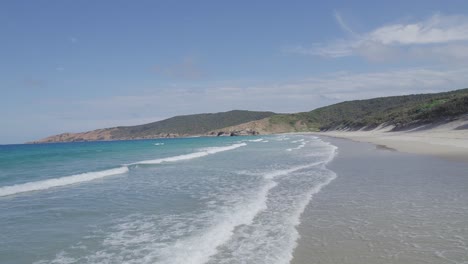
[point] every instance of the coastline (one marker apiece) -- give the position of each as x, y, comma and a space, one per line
443, 141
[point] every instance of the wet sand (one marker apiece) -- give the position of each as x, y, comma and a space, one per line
387, 207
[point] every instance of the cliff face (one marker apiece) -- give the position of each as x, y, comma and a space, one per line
99, 134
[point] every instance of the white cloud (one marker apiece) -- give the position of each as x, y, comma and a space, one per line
436, 29
437, 37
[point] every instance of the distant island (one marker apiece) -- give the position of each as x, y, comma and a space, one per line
396, 112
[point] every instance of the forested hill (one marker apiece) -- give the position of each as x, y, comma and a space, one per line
186, 125
192, 124
399, 111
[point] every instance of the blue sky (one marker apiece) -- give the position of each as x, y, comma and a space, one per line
70, 66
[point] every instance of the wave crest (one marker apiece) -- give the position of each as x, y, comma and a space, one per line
201, 153
57, 182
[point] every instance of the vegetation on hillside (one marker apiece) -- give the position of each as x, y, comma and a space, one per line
399, 111
190, 124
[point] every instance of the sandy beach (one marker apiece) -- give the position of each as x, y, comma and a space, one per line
387, 207
448, 140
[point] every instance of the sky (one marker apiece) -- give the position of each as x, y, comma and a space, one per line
71, 66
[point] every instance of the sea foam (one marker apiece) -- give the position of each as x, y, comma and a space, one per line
57, 182
303, 144
196, 250
194, 155
277, 173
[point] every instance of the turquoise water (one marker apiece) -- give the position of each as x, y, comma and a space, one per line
192, 200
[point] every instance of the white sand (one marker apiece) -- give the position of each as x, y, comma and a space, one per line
442, 140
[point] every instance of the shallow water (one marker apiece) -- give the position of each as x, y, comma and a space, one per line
198, 200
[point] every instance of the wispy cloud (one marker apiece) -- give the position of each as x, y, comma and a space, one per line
437, 37
342, 23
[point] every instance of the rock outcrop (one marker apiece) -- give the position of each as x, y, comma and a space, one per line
232, 133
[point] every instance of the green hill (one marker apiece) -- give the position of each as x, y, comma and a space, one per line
191, 124
400, 111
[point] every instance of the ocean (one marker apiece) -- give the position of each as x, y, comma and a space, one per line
185, 200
